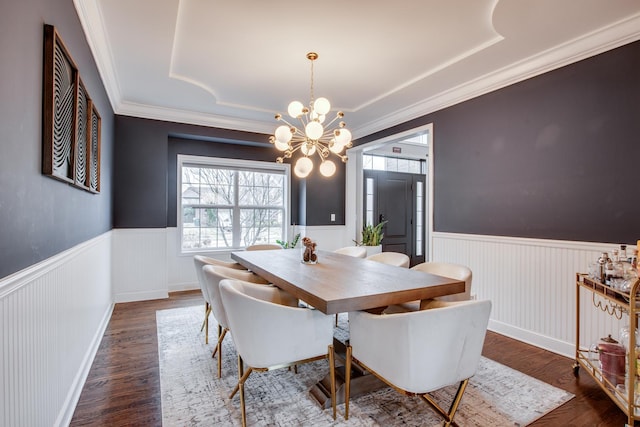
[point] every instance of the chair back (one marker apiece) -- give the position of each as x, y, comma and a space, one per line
391, 258
455, 271
354, 251
266, 333
200, 261
213, 274
431, 348
263, 247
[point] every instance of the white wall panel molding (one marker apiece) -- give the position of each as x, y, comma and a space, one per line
181, 273
328, 237
54, 314
139, 266
532, 285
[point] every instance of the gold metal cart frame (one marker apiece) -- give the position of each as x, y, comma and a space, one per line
615, 303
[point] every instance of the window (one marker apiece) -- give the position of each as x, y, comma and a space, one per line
226, 204
419, 216
393, 164
369, 190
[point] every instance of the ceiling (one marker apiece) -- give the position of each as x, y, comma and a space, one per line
235, 64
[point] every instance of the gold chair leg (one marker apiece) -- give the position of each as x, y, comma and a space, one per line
332, 374
206, 325
448, 416
205, 322
347, 382
218, 349
220, 332
243, 376
240, 386
206, 310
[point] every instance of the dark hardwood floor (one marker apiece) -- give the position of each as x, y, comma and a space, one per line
123, 386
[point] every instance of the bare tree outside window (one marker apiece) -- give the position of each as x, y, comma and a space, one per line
224, 208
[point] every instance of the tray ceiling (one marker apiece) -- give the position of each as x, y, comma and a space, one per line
235, 64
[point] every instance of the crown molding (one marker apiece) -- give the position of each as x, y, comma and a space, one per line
189, 117
594, 43
91, 20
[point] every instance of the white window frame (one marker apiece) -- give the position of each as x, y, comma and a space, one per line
237, 164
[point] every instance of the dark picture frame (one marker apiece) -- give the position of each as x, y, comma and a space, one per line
70, 120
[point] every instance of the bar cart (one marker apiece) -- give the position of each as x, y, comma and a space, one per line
616, 303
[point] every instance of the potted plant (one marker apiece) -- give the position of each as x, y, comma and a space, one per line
372, 237
289, 245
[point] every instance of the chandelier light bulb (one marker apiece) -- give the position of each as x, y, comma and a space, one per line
321, 106
283, 134
314, 130
282, 146
308, 148
327, 168
343, 136
295, 109
335, 147
318, 117
303, 167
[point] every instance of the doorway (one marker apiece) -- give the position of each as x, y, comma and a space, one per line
386, 150
397, 199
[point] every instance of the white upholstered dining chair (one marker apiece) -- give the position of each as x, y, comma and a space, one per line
392, 258
200, 261
213, 275
432, 349
269, 336
447, 269
354, 251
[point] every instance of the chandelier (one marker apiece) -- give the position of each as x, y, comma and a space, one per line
314, 136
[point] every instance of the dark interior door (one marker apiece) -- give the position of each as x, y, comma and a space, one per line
394, 201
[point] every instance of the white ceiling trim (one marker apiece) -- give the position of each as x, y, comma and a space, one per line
440, 67
600, 41
182, 116
91, 20
596, 42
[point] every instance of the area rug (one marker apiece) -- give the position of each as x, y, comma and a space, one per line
192, 395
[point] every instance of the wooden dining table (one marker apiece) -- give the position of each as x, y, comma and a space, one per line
341, 283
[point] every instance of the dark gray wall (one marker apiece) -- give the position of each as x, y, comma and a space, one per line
39, 216
553, 157
145, 179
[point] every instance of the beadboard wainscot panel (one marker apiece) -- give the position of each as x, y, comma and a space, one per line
328, 237
139, 265
532, 285
54, 314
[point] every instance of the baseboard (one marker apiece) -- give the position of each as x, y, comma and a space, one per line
185, 286
141, 296
547, 343
69, 407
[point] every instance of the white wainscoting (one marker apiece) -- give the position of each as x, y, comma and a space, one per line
329, 237
532, 285
53, 315
530, 281
139, 266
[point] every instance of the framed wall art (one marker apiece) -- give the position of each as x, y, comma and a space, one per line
71, 123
